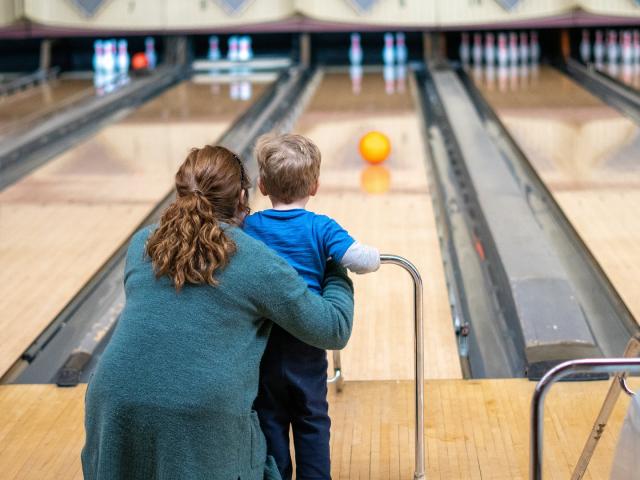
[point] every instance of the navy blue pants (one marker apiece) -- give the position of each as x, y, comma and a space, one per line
293, 394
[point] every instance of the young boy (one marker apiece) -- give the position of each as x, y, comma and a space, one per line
293, 375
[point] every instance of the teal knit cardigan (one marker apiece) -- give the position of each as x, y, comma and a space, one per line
171, 397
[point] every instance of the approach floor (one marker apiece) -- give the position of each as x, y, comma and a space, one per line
473, 430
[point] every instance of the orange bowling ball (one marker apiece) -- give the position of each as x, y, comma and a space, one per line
139, 61
375, 147
375, 179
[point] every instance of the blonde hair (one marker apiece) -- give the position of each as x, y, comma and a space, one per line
289, 165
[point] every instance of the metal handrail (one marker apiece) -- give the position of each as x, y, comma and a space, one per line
598, 365
617, 386
338, 376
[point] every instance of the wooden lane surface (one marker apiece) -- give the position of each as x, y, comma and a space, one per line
62, 222
39, 98
588, 155
473, 429
398, 221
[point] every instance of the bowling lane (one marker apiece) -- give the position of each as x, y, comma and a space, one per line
588, 155
29, 104
388, 206
628, 73
62, 222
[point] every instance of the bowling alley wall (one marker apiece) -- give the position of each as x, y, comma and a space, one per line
62, 17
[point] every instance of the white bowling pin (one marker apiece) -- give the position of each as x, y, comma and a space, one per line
585, 47
243, 48
108, 59
627, 47
477, 49
355, 74
97, 56
401, 49
535, 47
355, 50
463, 51
389, 79
598, 48
524, 48
123, 57
232, 51
150, 52
513, 48
489, 49
387, 51
612, 47
503, 51
214, 48
636, 46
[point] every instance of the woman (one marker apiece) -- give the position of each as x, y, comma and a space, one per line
172, 395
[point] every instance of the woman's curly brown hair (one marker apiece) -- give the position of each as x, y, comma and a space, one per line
189, 244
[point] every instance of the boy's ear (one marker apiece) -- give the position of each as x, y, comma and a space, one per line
263, 190
314, 190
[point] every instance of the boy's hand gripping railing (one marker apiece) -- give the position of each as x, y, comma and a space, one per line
418, 359
619, 366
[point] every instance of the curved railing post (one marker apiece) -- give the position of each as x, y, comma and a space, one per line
419, 472
598, 365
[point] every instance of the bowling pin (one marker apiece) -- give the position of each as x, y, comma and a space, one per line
524, 48
489, 49
214, 48
355, 74
389, 79
123, 57
598, 49
534, 48
503, 52
627, 48
513, 48
232, 51
355, 50
97, 56
108, 59
243, 48
387, 51
464, 49
401, 49
636, 46
585, 47
477, 49
250, 47
150, 52
612, 47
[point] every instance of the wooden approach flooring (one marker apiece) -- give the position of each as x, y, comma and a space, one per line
388, 206
473, 429
588, 155
61, 223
